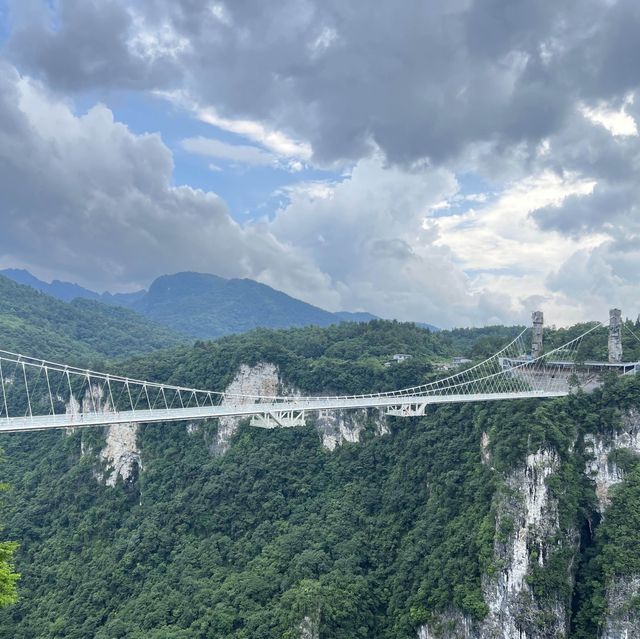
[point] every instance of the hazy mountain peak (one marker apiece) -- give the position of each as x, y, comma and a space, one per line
202, 304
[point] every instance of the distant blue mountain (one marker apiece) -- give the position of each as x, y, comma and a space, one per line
208, 306
431, 327
66, 291
202, 305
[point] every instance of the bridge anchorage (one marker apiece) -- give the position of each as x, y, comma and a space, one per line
36, 394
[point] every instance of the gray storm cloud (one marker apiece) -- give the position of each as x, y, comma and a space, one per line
84, 196
416, 79
408, 94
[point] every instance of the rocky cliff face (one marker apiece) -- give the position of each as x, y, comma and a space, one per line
526, 532
603, 470
310, 627
261, 379
622, 621
121, 454
450, 625
526, 522
335, 427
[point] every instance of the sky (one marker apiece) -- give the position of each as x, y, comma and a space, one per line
459, 163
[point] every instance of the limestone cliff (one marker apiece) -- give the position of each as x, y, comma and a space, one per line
527, 530
526, 523
449, 625
310, 627
120, 454
601, 468
622, 619
335, 427
261, 379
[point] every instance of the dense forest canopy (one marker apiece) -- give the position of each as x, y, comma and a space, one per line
377, 535
373, 538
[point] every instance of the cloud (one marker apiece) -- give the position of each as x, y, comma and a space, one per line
605, 274
617, 122
89, 44
600, 278
323, 81
534, 101
507, 254
319, 81
238, 153
338, 79
276, 141
501, 235
85, 198
367, 234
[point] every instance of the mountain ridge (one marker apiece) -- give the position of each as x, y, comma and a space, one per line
35, 323
68, 291
202, 305
208, 306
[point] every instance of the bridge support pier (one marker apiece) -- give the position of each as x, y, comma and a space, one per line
407, 410
285, 419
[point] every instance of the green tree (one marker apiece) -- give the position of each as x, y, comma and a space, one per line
8, 576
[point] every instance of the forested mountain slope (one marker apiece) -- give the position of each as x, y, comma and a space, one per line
202, 305
67, 291
399, 535
37, 324
208, 306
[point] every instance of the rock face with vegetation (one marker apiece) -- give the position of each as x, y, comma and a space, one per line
120, 455
262, 379
613, 466
623, 617
337, 427
477, 520
554, 571
603, 466
526, 517
526, 530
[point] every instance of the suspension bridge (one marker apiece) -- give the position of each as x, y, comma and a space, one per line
36, 394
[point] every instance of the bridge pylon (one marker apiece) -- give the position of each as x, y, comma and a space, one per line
615, 336
537, 334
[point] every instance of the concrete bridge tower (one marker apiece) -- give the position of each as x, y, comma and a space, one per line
537, 336
615, 336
